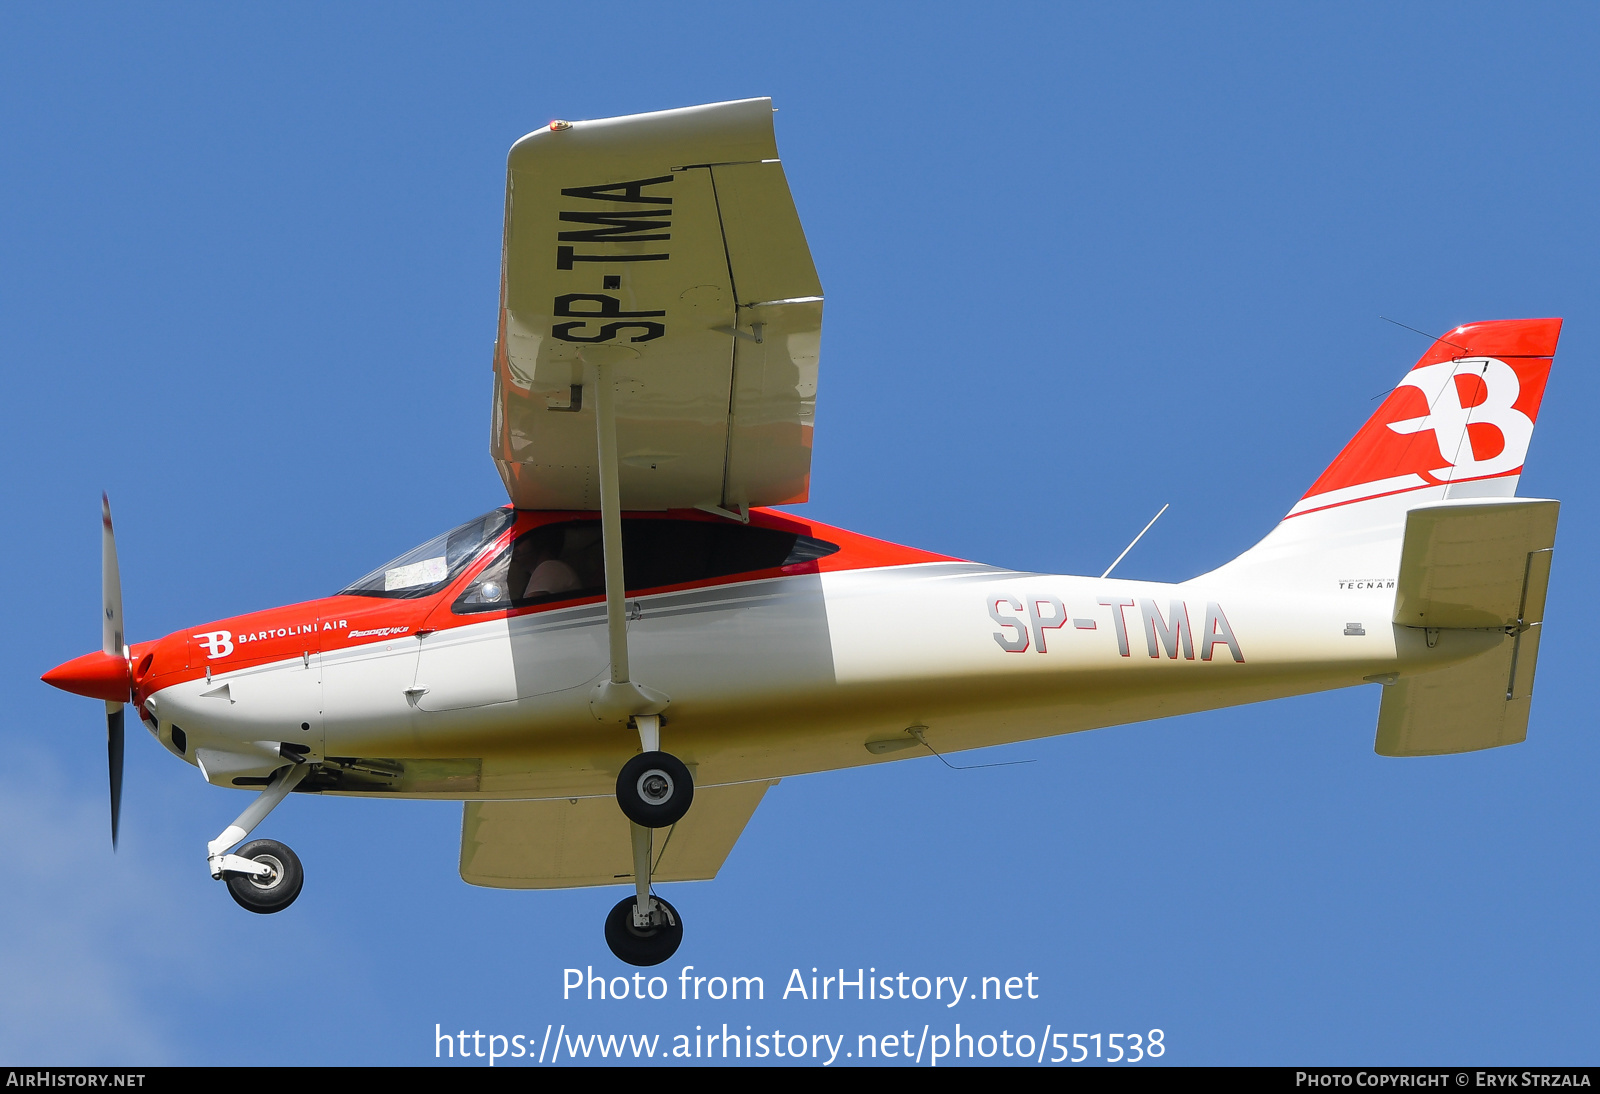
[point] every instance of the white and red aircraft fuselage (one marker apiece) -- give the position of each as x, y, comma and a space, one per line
663, 644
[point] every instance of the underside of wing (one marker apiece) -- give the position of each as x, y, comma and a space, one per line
569, 843
665, 247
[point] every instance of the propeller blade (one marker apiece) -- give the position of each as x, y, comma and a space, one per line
114, 718
111, 642
110, 586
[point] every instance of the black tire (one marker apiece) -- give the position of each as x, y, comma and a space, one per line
276, 892
655, 789
647, 947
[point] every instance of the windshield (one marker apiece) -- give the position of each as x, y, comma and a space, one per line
429, 568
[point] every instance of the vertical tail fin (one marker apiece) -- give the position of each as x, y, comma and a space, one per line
1457, 426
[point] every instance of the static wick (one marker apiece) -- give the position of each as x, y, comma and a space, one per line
1136, 539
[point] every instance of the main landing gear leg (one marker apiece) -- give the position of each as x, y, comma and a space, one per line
643, 930
654, 790
264, 876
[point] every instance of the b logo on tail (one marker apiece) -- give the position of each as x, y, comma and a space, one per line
1468, 402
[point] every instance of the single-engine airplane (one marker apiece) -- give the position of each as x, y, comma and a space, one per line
639, 628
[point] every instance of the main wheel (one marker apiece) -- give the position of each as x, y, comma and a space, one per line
277, 890
647, 946
654, 789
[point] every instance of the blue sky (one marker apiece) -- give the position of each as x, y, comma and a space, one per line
1080, 262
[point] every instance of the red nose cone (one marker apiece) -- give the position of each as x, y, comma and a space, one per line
97, 675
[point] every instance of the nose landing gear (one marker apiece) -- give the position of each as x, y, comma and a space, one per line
264, 875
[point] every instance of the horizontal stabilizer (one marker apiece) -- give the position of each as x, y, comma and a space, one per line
568, 843
1482, 565
1476, 564
1481, 703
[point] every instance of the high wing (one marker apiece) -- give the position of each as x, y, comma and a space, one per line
666, 247
567, 843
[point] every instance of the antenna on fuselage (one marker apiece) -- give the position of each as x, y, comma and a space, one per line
1136, 539
920, 733
1425, 334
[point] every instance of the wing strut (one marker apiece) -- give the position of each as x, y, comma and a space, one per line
617, 698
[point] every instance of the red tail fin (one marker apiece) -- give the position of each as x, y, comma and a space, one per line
1464, 414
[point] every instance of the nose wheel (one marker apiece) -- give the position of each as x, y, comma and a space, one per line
272, 891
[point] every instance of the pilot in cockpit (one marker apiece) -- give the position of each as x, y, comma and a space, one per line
550, 558
551, 575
